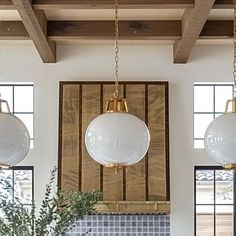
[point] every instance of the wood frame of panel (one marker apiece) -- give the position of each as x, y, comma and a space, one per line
142, 188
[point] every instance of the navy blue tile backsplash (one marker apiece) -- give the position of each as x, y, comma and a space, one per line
122, 225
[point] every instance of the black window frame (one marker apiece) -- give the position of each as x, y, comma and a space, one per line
13, 85
214, 168
17, 168
214, 113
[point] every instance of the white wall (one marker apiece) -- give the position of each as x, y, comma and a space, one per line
207, 63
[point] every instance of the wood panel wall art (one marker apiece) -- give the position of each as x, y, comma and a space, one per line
142, 188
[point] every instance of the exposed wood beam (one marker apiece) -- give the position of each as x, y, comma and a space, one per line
72, 30
107, 4
125, 4
105, 29
216, 29
223, 4
13, 30
36, 25
6, 5
192, 24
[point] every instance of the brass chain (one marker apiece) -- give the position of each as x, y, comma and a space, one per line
116, 93
234, 41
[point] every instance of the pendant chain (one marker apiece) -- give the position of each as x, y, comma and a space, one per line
116, 93
234, 42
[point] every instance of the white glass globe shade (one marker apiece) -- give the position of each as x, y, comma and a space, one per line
220, 139
117, 139
14, 140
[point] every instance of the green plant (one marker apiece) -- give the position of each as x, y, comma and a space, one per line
55, 215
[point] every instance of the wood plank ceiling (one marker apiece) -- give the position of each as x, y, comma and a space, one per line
47, 22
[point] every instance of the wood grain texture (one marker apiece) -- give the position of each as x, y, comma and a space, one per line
36, 24
157, 152
135, 175
216, 29
15, 30
108, 4
90, 109
223, 4
192, 24
6, 5
70, 138
138, 184
105, 29
112, 182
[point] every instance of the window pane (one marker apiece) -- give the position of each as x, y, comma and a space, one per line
23, 99
205, 220
198, 144
6, 189
224, 187
203, 99
28, 121
222, 94
201, 122
31, 144
224, 220
23, 186
204, 187
7, 94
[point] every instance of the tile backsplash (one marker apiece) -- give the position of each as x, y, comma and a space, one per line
122, 225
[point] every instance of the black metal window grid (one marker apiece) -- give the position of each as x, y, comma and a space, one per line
14, 93
210, 113
214, 201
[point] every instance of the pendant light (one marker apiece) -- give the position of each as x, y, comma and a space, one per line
220, 136
117, 138
14, 138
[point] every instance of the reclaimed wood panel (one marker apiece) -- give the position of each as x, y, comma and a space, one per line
157, 151
70, 138
145, 183
90, 109
112, 182
135, 175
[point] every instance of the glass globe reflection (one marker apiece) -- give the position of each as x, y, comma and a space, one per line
220, 139
117, 138
14, 140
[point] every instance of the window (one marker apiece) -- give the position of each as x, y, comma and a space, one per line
209, 103
214, 201
21, 180
20, 101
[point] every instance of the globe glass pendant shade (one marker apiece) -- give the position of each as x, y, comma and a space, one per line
220, 139
117, 139
14, 140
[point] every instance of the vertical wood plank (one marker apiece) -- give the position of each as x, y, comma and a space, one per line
135, 175
112, 182
79, 107
70, 138
157, 151
90, 109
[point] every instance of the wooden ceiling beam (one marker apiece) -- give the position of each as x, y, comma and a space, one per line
6, 5
36, 25
192, 25
71, 30
13, 30
223, 4
107, 4
105, 29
